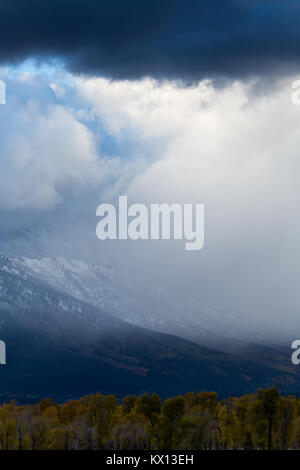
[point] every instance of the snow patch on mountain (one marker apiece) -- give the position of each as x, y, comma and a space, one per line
125, 296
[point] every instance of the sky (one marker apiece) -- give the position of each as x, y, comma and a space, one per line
174, 39
186, 102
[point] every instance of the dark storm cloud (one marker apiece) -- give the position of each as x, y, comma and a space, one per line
188, 39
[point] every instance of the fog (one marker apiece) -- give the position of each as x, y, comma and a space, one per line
69, 143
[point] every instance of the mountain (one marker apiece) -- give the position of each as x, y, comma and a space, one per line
109, 289
133, 300
60, 346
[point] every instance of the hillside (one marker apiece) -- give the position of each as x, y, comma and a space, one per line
62, 347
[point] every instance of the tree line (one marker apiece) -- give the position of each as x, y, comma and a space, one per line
196, 421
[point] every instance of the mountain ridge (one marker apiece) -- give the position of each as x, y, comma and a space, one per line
62, 347
128, 298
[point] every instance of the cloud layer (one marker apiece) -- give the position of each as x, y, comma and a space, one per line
47, 155
164, 39
234, 148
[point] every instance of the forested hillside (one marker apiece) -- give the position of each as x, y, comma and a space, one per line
265, 420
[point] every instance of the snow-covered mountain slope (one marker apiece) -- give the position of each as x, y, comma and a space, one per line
129, 298
37, 306
104, 287
61, 346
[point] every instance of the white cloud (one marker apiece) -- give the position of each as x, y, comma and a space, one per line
46, 153
234, 150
